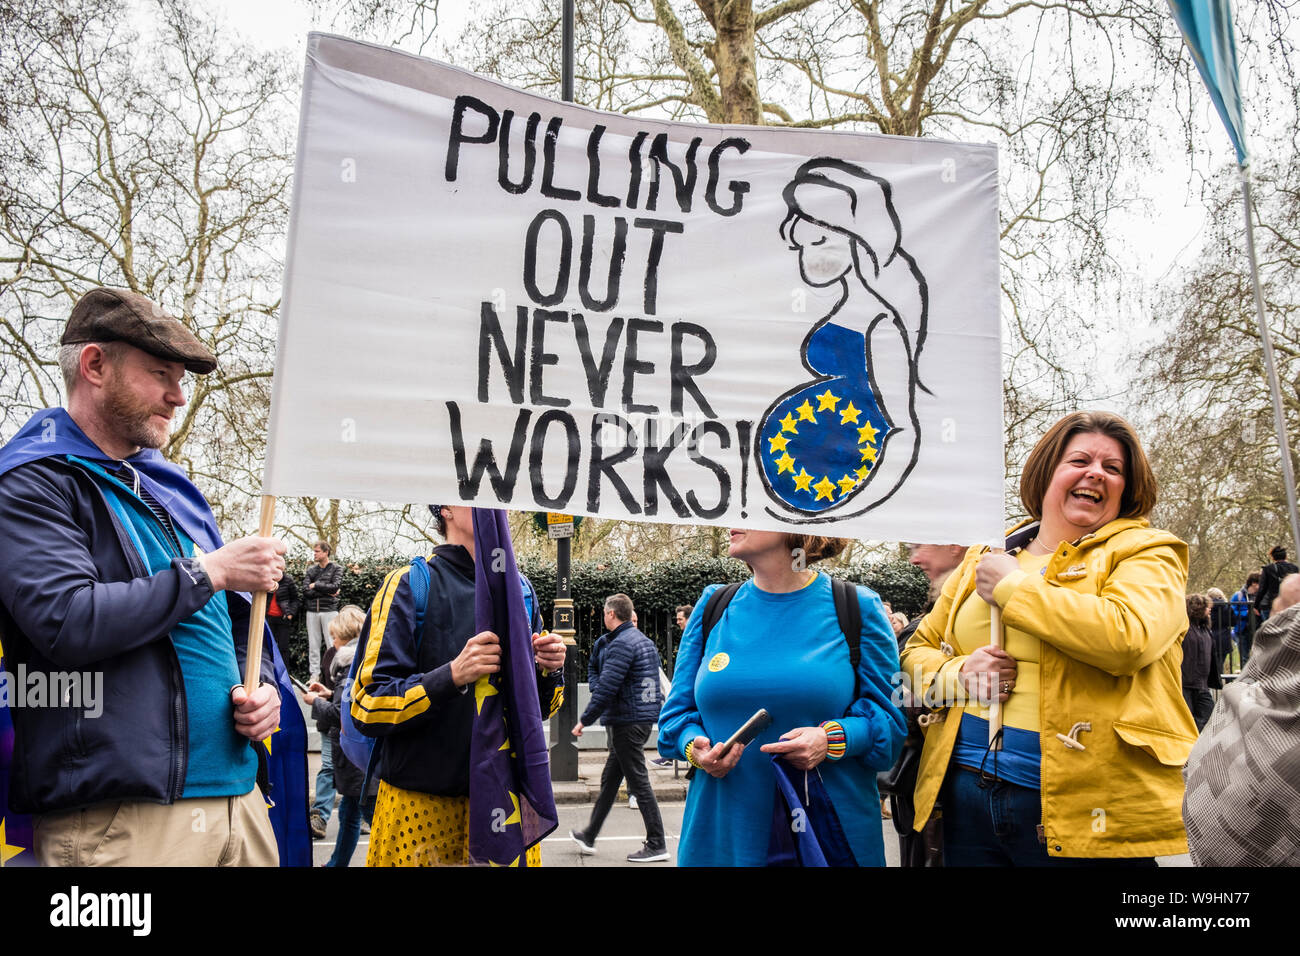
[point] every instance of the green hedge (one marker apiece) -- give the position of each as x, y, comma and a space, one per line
656, 590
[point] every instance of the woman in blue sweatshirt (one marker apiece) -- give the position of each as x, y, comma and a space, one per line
778, 645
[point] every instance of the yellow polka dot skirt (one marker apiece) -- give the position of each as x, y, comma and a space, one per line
419, 829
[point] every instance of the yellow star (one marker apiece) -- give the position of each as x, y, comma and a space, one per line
850, 414
777, 444
787, 424
866, 433
846, 483
862, 473
514, 817
806, 412
868, 454
7, 850
506, 745
826, 400
267, 741
483, 689
514, 862
802, 480
785, 463
825, 489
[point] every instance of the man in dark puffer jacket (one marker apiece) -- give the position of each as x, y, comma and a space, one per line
624, 676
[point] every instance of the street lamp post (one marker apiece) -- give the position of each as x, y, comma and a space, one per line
564, 750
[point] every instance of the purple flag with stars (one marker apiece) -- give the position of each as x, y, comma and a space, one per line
15, 828
511, 805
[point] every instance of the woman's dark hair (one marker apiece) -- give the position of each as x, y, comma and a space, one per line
1197, 606
1139, 495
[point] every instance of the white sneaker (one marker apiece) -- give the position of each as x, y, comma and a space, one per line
631, 803
585, 847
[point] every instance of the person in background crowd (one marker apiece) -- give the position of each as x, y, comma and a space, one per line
1200, 671
684, 612
280, 612
320, 599
937, 561
625, 696
1288, 593
113, 563
322, 807
1093, 715
1245, 617
322, 698
1220, 627
779, 646
1270, 578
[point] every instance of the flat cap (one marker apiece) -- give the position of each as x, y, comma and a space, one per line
119, 315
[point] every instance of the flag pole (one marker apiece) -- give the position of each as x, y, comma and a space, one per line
257, 617
995, 705
1270, 367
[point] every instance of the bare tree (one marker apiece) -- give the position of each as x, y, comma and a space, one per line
158, 159
1216, 447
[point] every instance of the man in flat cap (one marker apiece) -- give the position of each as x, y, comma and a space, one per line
114, 571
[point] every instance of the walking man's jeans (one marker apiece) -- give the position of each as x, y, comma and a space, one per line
627, 759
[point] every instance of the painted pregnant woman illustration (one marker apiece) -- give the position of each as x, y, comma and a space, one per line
845, 442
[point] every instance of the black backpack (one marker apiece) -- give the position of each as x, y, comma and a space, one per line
847, 611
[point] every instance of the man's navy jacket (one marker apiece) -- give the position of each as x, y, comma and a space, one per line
624, 676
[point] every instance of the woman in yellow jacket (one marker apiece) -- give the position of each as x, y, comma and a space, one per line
1095, 729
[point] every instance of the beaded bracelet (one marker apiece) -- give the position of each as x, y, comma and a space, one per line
690, 755
836, 743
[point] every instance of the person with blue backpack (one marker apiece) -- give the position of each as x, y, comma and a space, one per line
418, 659
818, 655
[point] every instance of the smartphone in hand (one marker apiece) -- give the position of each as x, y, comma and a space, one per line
748, 731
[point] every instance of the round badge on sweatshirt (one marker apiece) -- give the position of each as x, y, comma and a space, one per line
718, 662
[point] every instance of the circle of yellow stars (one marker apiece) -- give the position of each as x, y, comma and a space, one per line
826, 487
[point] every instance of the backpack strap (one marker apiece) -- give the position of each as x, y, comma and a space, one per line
419, 595
530, 597
718, 602
849, 614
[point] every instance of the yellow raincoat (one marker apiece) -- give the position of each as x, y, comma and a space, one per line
1111, 614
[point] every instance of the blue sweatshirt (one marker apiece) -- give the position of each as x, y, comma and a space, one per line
785, 653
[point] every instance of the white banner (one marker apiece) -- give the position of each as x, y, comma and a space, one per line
496, 299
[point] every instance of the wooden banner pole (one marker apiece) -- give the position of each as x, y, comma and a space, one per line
995, 705
257, 618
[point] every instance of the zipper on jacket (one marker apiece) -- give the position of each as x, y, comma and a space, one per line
180, 736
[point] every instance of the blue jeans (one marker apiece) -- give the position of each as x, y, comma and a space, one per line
995, 823
324, 804
349, 831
